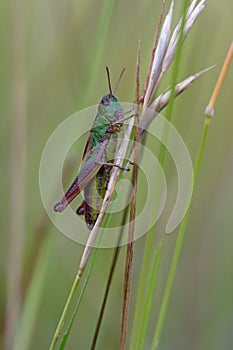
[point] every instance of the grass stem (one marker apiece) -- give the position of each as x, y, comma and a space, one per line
183, 226
64, 312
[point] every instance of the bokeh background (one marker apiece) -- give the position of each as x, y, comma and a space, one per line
53, 58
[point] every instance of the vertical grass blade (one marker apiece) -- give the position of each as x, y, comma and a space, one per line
210, 108
67, 333
183, 226
149, 296
177, 252
17, 174
97, 49
130, 247
33, 297
147, 254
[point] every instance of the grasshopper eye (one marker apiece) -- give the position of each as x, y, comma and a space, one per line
105, 101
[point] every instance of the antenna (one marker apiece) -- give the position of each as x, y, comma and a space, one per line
109, 82
118, 80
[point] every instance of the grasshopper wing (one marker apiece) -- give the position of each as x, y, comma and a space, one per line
87, 148
89, 169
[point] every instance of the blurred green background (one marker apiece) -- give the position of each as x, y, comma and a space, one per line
53, 58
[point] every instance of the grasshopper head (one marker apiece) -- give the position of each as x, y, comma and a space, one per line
108, 100
108, 105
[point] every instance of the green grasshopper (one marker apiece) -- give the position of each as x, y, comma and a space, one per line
98, 158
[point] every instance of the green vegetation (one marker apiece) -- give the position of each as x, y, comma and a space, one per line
53, 58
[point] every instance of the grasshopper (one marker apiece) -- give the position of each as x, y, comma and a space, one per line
98, 158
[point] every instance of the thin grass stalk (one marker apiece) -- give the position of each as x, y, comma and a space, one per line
177, 252
109, 280
32, 299
66, 335
144, 277
88, 275
17, 175
97, 49
127, 292
158, 105
149, 296
69, 300
130, 246
106, 293
147, 254
210, 108
140, 299
112, 270
183, 226
58, 330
